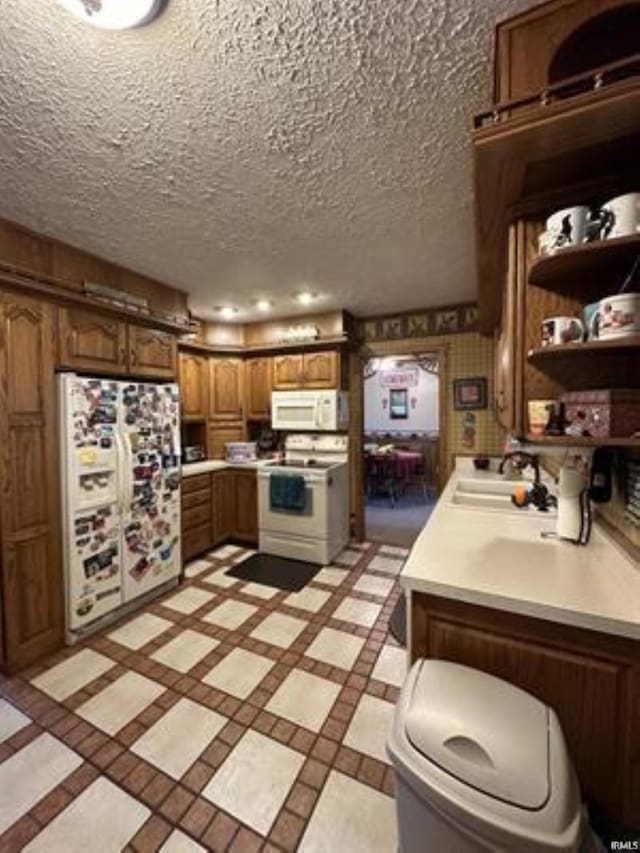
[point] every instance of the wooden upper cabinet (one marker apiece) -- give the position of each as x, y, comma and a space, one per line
258, 384
152, 353
309, 370
221, 433
91, 342
555, 40
287, 372
32, 583
321, 369
226, 389
194, 386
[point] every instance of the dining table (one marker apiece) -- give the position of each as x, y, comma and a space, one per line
397, 466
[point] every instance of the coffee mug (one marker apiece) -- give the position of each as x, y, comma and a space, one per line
561, 330
621, 216
619, 316
545, 243
567, 227
591, 321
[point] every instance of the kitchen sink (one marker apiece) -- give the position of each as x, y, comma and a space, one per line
489, 494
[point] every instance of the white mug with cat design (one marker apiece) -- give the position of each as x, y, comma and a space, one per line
621, 216
567, 228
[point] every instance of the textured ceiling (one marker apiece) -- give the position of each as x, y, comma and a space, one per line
240, 149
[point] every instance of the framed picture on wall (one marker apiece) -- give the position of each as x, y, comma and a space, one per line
470, 393
398, 403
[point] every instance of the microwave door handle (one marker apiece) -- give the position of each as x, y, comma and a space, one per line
318, 416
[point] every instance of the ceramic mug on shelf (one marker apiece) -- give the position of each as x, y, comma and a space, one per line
567, 228
561, 330
619, 316
620, 217
591, 321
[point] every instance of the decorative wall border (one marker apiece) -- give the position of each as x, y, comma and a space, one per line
424, 323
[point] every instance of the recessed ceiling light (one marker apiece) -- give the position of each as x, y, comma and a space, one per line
226, 311
306, 297
264, 305
114, 14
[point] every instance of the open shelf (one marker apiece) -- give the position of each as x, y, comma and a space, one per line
554, 270
583, 348
574, 441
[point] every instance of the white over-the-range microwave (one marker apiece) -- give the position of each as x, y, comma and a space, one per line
315, 411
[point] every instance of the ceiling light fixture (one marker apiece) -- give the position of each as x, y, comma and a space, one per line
264, 305
228, 312
306, 297
114, 14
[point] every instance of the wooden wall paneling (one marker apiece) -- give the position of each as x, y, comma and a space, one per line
91, 341
152, 353
32, 577
590, 679
220, 433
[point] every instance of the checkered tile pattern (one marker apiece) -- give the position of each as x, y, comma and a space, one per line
221, 717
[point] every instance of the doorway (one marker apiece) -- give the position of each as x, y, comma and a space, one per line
401, 429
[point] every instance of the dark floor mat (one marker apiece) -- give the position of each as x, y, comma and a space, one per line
398, 621
279, 572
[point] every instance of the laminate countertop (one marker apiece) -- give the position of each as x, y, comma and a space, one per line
498, 559
208, 465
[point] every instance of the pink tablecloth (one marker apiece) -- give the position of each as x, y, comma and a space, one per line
403, 463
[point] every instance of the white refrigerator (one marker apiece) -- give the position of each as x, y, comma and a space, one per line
120, 445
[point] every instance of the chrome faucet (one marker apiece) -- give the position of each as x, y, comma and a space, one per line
521, 460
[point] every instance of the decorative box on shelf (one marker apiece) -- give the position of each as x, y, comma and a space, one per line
604, 413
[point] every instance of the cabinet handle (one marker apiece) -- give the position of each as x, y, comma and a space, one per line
123, 354
132, 356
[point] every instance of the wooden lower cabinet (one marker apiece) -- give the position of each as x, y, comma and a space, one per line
591, 680
246, 515
216, 507
32, 583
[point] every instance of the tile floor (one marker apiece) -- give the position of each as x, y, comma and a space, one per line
226, 716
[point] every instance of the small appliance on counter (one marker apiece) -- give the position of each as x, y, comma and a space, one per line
193, 453
241, 451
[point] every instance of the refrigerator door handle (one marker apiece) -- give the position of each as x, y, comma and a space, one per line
120, 472
128, 456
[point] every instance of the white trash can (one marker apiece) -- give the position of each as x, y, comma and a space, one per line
480, 766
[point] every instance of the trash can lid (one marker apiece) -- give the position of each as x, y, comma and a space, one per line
483, 731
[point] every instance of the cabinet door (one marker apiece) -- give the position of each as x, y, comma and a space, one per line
152, 353
223, 505
226, 389
32, 578
91, 342
246, 520
219, 434
194, 386
287, 372
321, 369
258, 381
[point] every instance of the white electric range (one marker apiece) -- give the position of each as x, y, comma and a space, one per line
320, 530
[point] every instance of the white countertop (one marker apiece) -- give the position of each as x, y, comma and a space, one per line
498, 559
207, 465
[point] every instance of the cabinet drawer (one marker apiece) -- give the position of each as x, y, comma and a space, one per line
193, 499
196, 516
195, 483
196, 541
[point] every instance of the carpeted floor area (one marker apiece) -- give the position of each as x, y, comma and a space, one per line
399, 526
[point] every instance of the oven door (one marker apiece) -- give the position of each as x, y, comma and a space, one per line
312, 521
